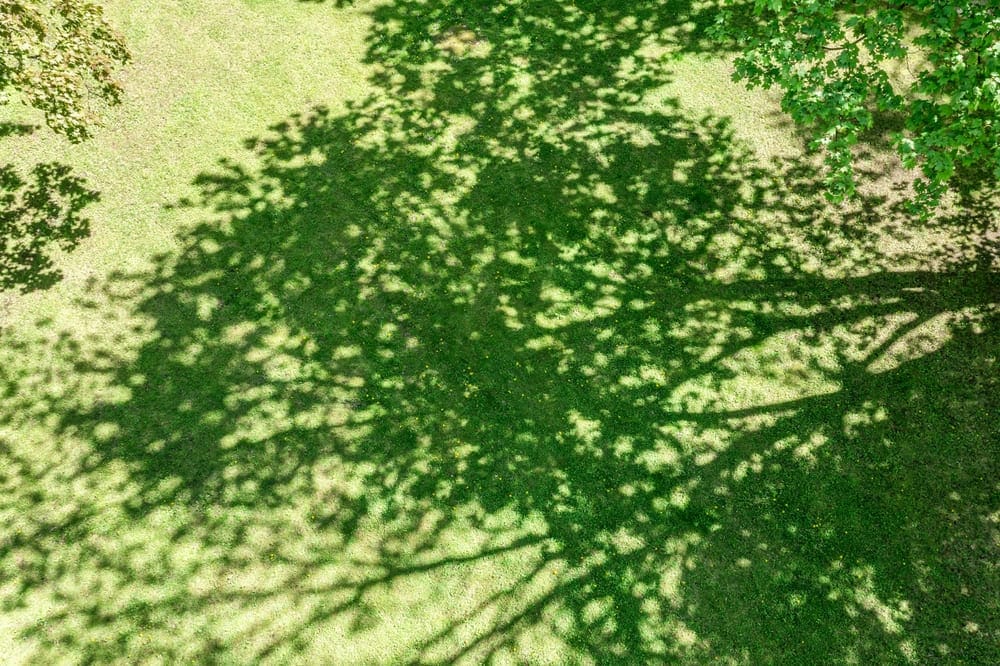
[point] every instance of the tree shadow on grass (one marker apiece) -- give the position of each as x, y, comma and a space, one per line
516, 360
40, 214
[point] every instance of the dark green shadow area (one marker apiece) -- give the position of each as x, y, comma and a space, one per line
40, 214
522, 294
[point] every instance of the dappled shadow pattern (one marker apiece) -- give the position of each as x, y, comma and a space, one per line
40, 213
520, 317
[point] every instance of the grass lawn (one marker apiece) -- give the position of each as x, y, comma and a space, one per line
457, 332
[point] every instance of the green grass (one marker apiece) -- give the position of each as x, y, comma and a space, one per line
413, 333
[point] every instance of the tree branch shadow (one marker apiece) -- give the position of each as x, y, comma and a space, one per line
518, 318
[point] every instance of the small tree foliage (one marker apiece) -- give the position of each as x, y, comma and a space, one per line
60, 56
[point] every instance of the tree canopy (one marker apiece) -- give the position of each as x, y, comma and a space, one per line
934, 64
60, 57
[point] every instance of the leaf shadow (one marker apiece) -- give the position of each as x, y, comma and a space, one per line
518, 317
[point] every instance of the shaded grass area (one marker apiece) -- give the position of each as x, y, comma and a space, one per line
516, 359
41, 213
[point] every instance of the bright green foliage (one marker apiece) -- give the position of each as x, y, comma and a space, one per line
60, 55
834, 61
